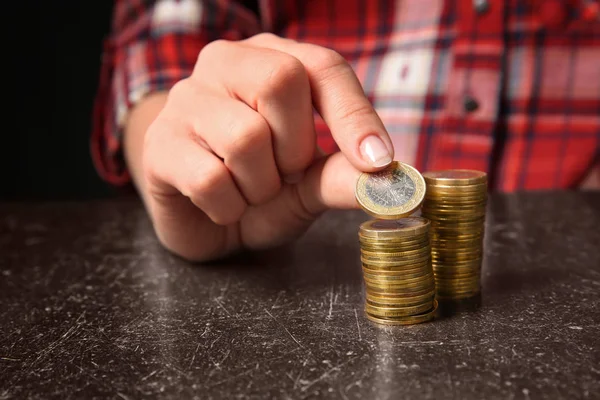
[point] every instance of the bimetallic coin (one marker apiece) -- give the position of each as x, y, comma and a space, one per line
392, 193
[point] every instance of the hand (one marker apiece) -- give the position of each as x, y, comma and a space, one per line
231, 161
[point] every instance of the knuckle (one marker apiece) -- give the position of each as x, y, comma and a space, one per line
213, 48
203, 181
264, 37
354, 111
246, 136
326, 61
211, 52
284, 72
180, 89
268, 38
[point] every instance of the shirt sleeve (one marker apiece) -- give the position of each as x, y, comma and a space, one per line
152, 45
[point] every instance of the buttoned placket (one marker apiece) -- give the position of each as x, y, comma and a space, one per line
473, 94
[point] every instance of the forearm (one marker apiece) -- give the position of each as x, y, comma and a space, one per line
137, 124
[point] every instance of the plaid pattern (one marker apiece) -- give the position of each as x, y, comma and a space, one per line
514, 91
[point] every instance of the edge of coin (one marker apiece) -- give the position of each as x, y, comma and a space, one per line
412, 320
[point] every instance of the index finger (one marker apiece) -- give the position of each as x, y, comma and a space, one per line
339, 97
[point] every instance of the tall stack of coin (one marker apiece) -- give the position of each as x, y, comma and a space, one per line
395, 251
455, 203
397, 272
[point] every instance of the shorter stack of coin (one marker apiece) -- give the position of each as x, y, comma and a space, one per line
397, 272
455, 203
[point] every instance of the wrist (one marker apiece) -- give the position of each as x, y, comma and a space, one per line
139, 119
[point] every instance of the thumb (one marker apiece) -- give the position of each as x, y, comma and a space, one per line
329, 183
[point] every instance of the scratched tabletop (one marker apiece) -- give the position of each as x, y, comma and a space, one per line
91, 306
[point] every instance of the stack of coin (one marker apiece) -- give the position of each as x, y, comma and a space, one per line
397, 271
455, 203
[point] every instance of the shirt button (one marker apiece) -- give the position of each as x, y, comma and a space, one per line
470, 104
481, 6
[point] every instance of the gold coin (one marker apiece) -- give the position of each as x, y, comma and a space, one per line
409, 268
459, 192
400, 241
453, 199
410, 320
392, 249
388, 258
454, 274
460, 232
398, 295
478, 187
394, 192
446, 244
465, 266
399, 276
451, 238
449, 218
478, 222
478, 250
458, 293
454, 259
380, 287
391, 312
398, 272
405, 255
371, 274
401, 291
411, 298
395, 263
408, 227
456, 296
404, 303
384, 280
456, 209
457, 281
383, 287
458, 177
395, 237
445, 268
474, 264
414, 301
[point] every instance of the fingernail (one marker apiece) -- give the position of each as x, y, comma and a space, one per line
293, 178
375, 152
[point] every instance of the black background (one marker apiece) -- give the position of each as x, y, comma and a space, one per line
52, 50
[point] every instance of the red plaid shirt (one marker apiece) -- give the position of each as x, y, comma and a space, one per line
508, 87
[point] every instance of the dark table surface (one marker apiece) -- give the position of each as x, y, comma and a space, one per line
92, 306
